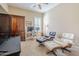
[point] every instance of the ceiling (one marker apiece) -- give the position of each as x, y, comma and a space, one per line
30, 6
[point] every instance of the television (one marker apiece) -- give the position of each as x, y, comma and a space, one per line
30, 29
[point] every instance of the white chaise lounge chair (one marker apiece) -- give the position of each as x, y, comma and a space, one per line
66, 41
63, 43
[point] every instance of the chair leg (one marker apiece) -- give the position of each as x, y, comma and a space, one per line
62, 50
65, 50
41, 45
48, 52
52, 52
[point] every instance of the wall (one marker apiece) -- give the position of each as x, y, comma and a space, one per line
63, 18
29, 15
4, 6
2, 10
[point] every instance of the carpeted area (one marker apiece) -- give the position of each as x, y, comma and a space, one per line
31, 48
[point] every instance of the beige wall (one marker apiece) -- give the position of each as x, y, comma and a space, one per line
2, 10
63, 18
4, 6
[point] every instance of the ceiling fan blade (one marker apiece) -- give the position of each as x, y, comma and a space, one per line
46, 3
40, 6
34, 5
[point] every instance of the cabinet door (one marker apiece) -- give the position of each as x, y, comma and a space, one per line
4, 23
21, 27
13, 25
18, 26
20, 23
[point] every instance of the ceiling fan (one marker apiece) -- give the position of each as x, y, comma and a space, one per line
39, 5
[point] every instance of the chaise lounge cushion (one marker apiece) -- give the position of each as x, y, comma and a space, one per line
64, 42
51, 45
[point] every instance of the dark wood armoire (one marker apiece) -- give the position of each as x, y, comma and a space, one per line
12, 25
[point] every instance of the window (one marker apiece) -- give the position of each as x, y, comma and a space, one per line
37, 24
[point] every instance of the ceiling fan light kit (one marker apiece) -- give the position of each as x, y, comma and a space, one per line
39, 5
